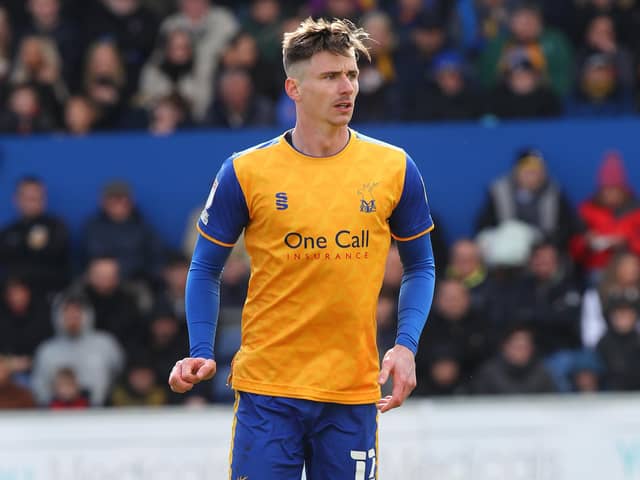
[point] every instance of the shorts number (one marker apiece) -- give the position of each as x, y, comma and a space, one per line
360, 457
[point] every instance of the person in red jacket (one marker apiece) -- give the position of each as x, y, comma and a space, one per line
611, 219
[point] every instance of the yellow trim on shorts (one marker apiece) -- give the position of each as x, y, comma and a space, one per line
211, 239
233, 430
400, 239
377, 449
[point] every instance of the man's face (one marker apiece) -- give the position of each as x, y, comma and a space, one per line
117, 207
30, 200
453, 300
194, 8
73, 319
104, 275
465, 258
45, 11
544, 262
519, 348
526, 26
327, 88
530, 177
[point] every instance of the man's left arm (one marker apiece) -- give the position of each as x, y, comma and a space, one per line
410, 225
414, 303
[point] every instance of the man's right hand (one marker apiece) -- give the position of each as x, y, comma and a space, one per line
190, 371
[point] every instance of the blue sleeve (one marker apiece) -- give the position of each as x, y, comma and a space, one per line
202, 296
416, 290
411, 216
225, 213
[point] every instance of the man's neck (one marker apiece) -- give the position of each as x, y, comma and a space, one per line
319, 142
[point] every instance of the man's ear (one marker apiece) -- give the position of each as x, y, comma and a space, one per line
292, 87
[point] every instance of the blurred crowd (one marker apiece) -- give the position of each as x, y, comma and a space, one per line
78, 66
543, 298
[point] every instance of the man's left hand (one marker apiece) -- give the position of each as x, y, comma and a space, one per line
400, 364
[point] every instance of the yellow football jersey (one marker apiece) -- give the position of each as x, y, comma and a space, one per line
318, 232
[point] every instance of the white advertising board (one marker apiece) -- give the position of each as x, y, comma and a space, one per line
532, 438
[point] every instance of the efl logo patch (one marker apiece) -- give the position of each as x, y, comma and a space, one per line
367, 202
282, 202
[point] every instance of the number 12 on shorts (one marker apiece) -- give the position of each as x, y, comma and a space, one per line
360, 457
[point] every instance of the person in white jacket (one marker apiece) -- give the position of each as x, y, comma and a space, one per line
96, 357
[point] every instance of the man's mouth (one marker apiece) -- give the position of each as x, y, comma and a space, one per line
343, 105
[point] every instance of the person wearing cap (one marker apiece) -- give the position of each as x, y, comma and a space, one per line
619, 348
523, 91
35, 245
119, 230
605, 72
610, 218
446, 95
527, 29
527, 194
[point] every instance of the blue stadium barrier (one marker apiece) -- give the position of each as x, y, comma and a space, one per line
171, 175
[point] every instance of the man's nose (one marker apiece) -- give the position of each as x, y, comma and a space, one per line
346, 85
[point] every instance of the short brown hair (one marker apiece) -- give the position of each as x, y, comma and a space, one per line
313, 36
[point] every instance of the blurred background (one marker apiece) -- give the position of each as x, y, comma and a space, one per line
523, 119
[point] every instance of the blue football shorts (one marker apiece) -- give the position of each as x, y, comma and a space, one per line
274, 437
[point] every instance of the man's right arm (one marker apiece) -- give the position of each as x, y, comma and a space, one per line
222, 220
202, 299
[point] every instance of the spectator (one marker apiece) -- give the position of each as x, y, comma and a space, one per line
168, 115
549, 47
447, 95
330, 9
114, 304
24, 113
47, 22
621, 12
5, 52
453, 322
67, 394
492, 20
172, 70
80, 116
105, 83
467, 266
212, 27
528, 194
386, 321
549, 300
621, 277
392, 271
24, 323
12, 395
522, 92
118, 230
586, 372
95, 356
131, 27
440, 373
241, 53
237, 105
605, 72
164, 341
421, 40
235, 278
174, 282
36, 245
378, 96
611, 218
619, 348
38, 64
140, 387
264, 23
515, 370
